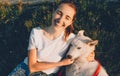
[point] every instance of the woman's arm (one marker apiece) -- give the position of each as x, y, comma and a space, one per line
35, 66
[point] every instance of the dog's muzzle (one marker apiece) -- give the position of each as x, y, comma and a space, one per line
69, 56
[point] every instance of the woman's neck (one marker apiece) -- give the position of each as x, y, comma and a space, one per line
52, 32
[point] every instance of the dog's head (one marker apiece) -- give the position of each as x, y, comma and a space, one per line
81, 46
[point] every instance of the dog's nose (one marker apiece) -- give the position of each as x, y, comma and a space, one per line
69, 56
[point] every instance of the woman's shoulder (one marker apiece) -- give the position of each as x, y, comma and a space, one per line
72, 35
36, 31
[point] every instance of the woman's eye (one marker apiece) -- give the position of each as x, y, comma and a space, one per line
78, 47
67, 18
58, 12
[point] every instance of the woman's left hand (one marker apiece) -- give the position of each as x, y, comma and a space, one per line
91, 56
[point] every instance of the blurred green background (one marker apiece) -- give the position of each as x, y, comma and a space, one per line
99, 18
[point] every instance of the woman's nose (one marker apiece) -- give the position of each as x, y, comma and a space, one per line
61, 19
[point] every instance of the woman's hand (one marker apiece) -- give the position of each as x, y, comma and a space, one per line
66, 61
91, 56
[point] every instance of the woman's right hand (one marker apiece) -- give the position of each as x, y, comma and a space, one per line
66, 61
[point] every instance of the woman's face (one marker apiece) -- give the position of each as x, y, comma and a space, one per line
63, 16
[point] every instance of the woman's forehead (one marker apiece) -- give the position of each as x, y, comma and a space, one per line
66, 6
67, 9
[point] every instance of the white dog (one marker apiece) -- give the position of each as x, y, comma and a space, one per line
80, 49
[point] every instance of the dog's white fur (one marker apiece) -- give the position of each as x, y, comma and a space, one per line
81, 47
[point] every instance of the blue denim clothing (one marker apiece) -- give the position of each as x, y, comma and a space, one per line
20, 70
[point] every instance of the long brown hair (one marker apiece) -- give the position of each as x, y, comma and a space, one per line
70, 28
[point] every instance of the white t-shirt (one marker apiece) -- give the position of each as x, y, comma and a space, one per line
48, 50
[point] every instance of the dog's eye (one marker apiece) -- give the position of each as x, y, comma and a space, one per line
78, 47
70, 45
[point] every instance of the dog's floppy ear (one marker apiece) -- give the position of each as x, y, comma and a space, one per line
81, 33
93, 43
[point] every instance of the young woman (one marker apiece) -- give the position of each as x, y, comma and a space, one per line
47, 46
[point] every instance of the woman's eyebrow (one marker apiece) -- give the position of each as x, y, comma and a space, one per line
59, 11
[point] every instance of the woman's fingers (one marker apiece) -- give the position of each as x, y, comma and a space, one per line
67, 61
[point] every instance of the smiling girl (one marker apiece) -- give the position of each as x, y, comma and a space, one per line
47, 46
